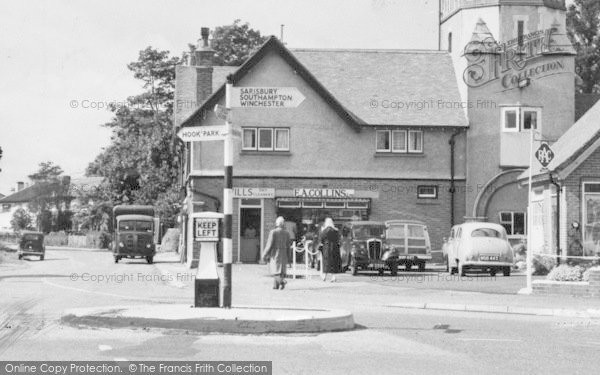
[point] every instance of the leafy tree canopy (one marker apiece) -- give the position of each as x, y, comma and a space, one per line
583, 26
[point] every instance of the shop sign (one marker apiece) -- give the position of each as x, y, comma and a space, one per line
253, 192
323, 193
266, 97
206, 229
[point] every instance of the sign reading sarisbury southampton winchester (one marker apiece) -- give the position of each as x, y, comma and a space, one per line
266, 97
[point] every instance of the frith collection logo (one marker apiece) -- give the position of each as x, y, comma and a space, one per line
513, 61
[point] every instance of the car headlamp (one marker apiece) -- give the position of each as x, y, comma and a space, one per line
121, 244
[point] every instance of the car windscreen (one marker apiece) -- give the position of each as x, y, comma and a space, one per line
368, 231
144, 226
486, 232
127, 226
32, 237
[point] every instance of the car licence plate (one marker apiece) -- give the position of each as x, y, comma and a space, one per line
489, 257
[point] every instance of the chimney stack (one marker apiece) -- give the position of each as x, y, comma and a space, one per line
20, 185
193, 83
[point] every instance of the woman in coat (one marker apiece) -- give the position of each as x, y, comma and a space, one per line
277, 250
330, 240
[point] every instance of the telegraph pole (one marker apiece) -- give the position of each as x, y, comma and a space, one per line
227, 201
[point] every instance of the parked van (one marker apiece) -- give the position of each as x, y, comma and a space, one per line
411, 240
478, 246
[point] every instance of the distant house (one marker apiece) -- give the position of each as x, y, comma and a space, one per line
24, 194
9, 204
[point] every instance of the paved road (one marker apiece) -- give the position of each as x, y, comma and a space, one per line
388, 341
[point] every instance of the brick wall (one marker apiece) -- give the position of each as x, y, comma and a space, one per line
578, 289
397, 200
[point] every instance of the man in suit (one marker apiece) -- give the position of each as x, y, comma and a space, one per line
277, 251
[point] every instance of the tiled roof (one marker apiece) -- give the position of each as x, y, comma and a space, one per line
24, 195
418, 87
574, 141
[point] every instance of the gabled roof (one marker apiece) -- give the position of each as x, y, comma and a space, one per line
577, 139
351, 80
273, 44
21, 196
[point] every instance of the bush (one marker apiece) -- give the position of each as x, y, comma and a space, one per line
565, 272
56, 239
543, 264
170, 241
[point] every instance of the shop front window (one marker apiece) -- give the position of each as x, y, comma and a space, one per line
591, 217
513, 222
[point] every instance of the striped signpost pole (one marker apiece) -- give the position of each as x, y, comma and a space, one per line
227, 202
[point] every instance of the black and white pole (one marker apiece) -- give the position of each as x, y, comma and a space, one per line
227, 202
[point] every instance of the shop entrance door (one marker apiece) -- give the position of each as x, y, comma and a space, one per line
250, 230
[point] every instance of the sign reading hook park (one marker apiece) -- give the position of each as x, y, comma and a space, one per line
266, 97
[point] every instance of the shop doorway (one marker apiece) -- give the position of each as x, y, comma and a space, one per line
250, 233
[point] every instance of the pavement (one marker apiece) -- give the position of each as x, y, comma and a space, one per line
407, 297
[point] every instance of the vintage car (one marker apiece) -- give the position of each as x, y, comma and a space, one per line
410, 239
363, 247
478, 246
31, 243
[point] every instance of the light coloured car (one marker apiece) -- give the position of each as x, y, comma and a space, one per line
478, 246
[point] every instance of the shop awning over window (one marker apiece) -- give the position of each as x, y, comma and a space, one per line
350, 203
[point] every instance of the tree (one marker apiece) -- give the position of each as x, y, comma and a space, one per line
141, 165
583, 28
234, 43
21, 220
50, 194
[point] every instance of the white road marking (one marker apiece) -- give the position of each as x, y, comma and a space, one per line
104, 348
484, 339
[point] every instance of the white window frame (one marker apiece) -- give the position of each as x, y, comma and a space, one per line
392, 143
255, 139
520, 119
511, 222
277, 130
258, 139
426, 195
584, 212
408, 139
389, 134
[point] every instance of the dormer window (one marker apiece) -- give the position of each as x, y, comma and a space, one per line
518, 119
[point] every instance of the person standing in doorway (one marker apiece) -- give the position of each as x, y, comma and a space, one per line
277, 253
330, 241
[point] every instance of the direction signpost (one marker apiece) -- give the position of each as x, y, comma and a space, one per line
237, 97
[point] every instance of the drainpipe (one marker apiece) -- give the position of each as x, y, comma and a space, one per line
452, 189
557, 224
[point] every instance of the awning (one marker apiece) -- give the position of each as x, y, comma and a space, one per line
349, 203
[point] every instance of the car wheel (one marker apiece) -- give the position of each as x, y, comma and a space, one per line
150, 260
421, 266
493, 273
408, 266
20, 256
394, 268
380, 272
506, 271
41, 257
116, 259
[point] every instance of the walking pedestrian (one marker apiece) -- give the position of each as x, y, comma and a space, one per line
277, 253
330, 241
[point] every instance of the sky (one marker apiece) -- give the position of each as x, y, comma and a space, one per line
62, 61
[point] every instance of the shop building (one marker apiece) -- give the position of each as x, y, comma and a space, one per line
438, 136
